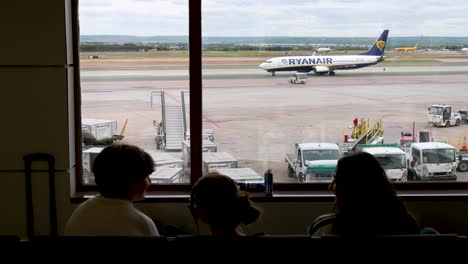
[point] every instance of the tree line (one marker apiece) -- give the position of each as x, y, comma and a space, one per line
129, 47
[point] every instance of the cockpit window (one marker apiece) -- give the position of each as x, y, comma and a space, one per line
268, 61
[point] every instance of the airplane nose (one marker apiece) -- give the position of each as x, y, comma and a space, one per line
262, 65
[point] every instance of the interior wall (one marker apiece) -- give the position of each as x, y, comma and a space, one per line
35, 65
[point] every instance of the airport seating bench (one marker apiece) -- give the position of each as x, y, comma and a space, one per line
248, 248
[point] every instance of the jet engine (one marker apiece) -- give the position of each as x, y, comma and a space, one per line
321, 69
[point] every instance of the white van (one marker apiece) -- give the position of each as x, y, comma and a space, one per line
432, 161
392, 159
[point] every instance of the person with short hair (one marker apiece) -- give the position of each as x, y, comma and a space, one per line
121, 173
216, 200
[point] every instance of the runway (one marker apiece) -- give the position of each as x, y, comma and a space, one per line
258, 118
252, 71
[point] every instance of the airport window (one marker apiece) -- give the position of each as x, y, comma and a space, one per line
135, 82
277, 86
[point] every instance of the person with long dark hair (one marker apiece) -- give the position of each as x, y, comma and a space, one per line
366, 202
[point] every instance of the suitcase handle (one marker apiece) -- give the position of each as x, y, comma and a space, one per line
28, 160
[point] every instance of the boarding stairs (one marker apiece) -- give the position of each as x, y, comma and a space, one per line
364, 133
173, 127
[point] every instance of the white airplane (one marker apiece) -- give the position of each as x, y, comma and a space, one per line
464, 50
323, 50
328, 64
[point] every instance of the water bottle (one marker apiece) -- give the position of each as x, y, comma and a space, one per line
268, 183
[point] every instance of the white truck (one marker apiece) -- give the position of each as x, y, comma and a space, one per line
463, 160
313, 162
432, 161
391, 157
298, 78
442, 115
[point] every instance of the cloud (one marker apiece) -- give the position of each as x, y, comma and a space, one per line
277, 17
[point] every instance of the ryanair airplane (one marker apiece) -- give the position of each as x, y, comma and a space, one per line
328, 64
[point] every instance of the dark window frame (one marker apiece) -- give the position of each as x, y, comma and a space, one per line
196, 112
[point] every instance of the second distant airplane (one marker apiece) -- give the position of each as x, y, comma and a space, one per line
405, 49
328, 64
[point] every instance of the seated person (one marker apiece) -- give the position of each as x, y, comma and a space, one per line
216, 200
122, 175
365, 201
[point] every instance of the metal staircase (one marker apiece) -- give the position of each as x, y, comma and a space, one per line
172, 130
173, 126
364, 133
373, 135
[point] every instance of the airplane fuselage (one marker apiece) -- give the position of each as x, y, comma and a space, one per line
328, 64
319, 63
405, 49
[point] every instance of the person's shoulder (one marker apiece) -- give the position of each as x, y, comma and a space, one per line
142, 216
322, 224
147, 222
93, 200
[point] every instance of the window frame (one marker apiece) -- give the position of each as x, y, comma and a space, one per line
196, 113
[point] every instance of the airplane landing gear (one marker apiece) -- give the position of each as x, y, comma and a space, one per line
273, 73
331, 73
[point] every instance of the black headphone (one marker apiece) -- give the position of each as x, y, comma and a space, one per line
193, 206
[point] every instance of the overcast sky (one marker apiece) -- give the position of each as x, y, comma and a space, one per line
311, 18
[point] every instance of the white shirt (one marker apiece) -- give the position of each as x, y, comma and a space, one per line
101, 216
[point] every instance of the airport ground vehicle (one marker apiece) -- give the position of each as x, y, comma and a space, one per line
221, 162
99, 132
463, 115
442, 115
298, 78
391, 157
313, 161
363, 132
463, 160
432, 161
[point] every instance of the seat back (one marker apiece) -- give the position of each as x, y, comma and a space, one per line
102, 248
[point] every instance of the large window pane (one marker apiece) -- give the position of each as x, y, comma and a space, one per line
135, 88
134, 80
337, 98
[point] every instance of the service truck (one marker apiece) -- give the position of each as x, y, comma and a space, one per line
298, 78
463, 160
391, 157
313, 162
432, 161
442, 115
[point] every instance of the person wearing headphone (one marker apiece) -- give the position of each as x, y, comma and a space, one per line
216, 200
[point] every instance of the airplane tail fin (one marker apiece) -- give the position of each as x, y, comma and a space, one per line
379, 46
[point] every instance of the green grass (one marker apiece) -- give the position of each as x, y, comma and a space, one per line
411, 61
390, 58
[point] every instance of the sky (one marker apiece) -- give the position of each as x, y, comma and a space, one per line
249, 18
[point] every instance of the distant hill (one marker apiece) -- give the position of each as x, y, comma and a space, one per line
134, 39
338, 41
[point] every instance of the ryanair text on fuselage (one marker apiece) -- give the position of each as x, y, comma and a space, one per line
308, 61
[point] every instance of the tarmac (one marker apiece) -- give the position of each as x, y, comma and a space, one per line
258, 118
